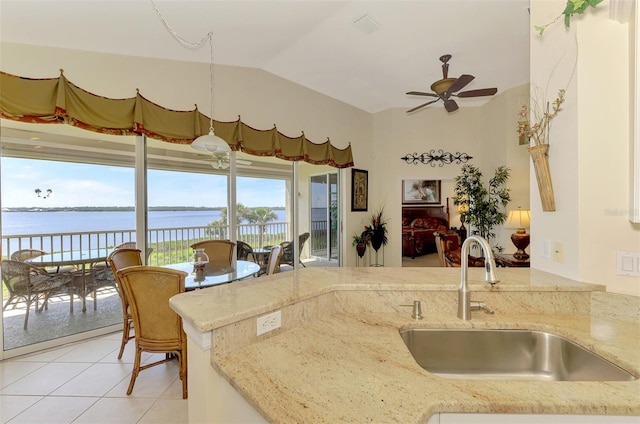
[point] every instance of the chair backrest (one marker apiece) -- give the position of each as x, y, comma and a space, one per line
244, 251
301, 241
274, 260
24, 254
220, 253
126, 245
148, 289
124, 257
24, 278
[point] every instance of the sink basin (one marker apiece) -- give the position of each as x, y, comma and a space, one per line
507, 355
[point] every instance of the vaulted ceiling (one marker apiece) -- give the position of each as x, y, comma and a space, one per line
365, 53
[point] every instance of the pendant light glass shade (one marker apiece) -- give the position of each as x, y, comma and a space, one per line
210, 143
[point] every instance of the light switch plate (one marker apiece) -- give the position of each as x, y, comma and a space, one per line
628, 263
546, 249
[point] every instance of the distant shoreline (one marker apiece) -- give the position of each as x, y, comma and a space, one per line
125, 209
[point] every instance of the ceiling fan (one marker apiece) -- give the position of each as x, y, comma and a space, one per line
445, 88
221, 161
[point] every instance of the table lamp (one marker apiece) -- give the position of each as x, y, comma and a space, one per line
519, 219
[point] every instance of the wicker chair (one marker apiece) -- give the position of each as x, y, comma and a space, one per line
120, 259
24, 254
158, 329
31, 284
220, 253
244, 252
287, 250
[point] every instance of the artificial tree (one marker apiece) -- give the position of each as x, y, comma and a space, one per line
484, 207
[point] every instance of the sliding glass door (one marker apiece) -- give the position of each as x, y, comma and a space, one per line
324, 216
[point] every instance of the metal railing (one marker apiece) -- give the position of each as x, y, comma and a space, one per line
170, 245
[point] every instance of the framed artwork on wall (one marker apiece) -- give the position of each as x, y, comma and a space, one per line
359, 190
421, 192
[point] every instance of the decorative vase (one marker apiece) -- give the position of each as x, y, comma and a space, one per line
361, 248
200, 260
540, 156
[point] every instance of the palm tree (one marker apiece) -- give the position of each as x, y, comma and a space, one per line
213, 228
261, 216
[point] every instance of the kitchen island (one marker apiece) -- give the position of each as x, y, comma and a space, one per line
337, 355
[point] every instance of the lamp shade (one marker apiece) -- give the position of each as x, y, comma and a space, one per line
517, 219
210, 143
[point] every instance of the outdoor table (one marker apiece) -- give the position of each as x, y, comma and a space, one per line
243, 269
73, 257
260, 254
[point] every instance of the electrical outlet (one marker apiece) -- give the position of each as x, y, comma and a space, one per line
546, 249
269, 322
558, 251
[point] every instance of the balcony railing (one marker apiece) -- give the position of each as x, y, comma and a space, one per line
170, 245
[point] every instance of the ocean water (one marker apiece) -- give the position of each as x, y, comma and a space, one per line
18, 223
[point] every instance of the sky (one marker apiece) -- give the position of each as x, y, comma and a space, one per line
77, 184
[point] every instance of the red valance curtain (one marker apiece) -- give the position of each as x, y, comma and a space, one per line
58, 101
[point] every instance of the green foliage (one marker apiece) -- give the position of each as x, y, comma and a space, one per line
484, 206
573, 7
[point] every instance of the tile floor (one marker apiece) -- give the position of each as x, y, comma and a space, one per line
84, 382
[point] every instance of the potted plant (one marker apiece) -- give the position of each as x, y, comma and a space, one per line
378, 230
573, 7
483, 207
360, 242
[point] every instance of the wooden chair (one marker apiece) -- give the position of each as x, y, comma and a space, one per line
287, 250
273, 262
158, 329
120, 259
31, 284
220, 253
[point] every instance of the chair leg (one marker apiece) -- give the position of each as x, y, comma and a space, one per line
11, 297
182, 361
26, 315
136, 370
125, 336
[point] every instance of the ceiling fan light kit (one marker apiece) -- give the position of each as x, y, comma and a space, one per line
447, 87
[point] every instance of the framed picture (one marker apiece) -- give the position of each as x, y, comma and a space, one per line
421, 191
359, 190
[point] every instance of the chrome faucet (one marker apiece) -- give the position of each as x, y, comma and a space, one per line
490, 276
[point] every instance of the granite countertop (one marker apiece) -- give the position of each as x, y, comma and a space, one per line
211, 308
351, 365
356, 368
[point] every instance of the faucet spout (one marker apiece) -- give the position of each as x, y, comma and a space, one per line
490, 276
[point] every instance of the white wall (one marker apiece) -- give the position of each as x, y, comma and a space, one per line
486, 133
590, 142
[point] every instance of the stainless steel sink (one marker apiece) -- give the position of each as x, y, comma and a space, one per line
507, 355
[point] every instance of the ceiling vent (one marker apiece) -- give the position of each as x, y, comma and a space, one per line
366, 25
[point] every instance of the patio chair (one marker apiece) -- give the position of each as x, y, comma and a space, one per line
23, 254
220, 253
287, 250
120, 259
273, 262
244, 252
31, 284
158, 328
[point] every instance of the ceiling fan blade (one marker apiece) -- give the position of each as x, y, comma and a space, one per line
459, 84
478, 93
420, 93
450, 105
422, 105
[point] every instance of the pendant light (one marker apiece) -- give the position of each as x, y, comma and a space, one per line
211, 142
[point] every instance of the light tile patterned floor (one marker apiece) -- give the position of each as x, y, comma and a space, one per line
84, 382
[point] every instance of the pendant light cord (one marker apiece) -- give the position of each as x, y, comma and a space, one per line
192, 45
